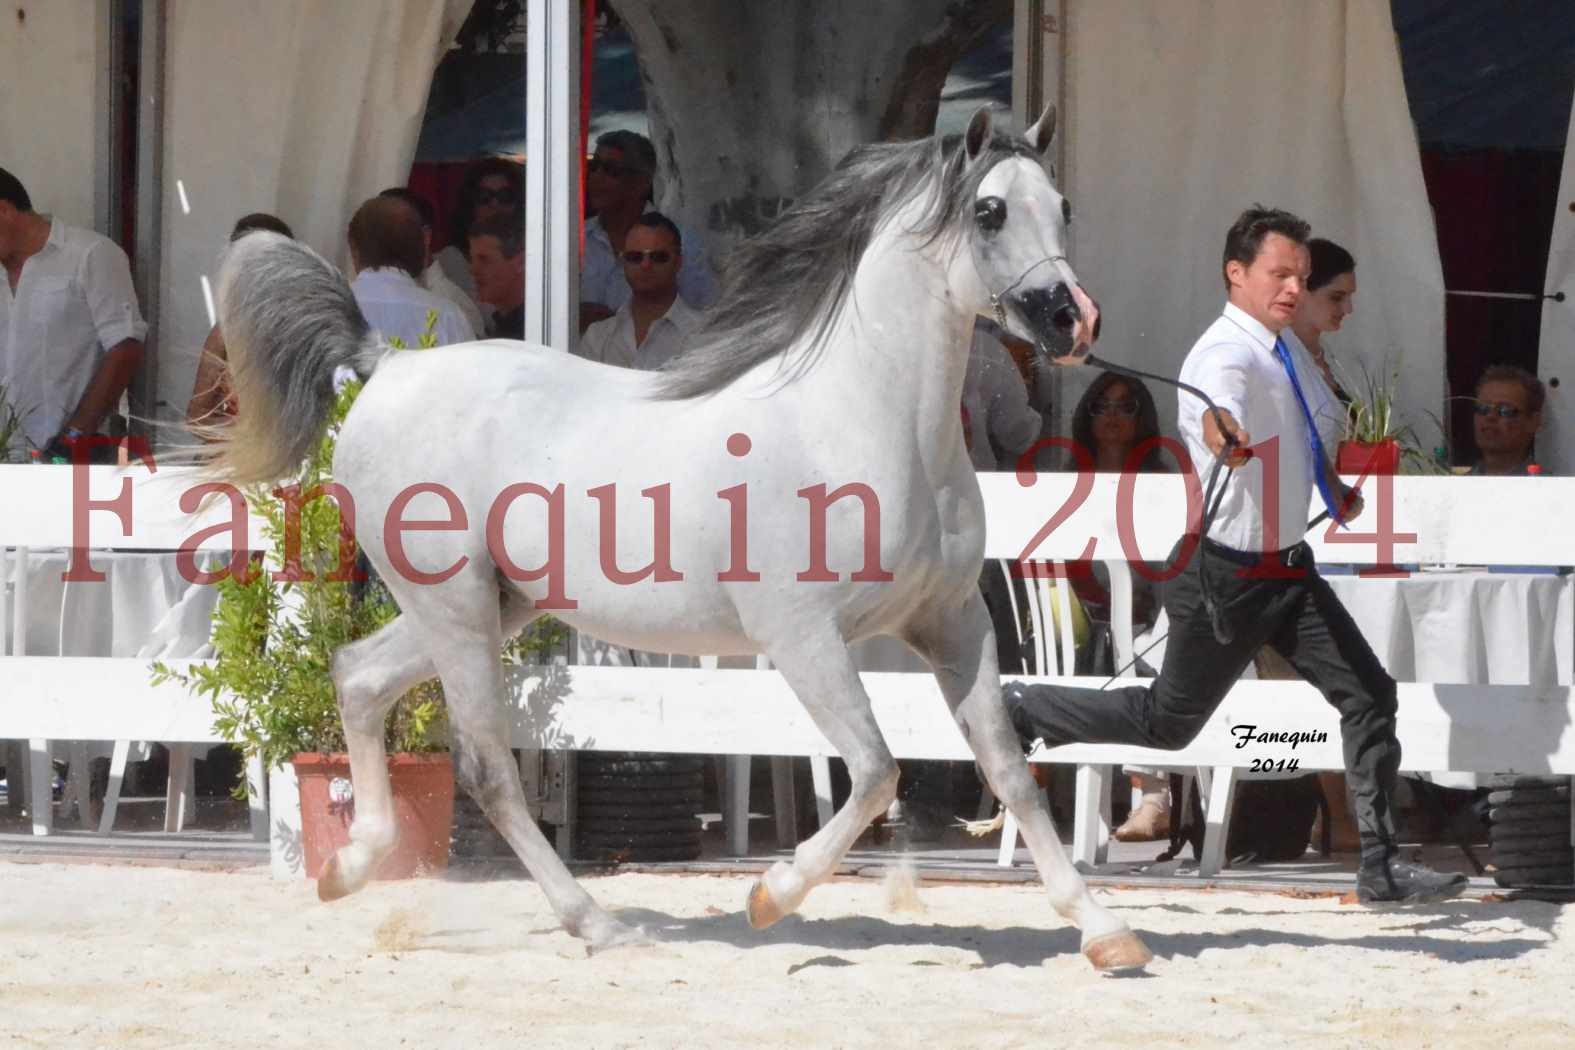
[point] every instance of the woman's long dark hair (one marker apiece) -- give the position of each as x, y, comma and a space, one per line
465, 200
1156, 461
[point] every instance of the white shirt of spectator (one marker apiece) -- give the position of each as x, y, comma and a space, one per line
996, 400
436, 281
611, 341
397, 306
602, 280
73, 303
1234, 363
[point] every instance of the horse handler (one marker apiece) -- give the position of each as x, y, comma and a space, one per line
1244, 587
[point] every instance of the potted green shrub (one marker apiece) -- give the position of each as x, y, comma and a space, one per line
1376, 439
273, 695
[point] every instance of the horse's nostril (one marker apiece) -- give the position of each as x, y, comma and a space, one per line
1066, 317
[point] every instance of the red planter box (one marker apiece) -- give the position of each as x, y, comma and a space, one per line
423, 787
1358, 457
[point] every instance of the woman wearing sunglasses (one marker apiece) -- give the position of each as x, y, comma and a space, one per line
493, 190
1112, 419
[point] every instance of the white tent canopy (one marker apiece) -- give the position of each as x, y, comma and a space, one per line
1175, 124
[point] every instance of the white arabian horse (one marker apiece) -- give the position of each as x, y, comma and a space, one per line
834, 358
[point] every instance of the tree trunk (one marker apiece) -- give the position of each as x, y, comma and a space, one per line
752, 102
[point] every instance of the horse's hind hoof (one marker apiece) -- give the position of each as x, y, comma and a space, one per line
1118, 952
331, 883
761, 907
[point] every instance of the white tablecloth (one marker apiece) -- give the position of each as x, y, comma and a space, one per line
143, 608
1467, 627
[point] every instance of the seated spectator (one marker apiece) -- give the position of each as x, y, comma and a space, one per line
432, 278
70, 328
997, 419
1324, 306
497, 267
655, 324
386, 250
211, 400
1508, 413
493, 191
618, 188
1114, 417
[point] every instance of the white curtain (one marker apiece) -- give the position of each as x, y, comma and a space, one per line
52, 63
1556, 356
296, 107
1180, 115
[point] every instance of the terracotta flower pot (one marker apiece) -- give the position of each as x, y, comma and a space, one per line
1361, 457
423, 788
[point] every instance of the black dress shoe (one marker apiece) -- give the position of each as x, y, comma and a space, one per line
1400, 883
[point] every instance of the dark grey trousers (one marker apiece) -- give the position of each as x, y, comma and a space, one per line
1299, 617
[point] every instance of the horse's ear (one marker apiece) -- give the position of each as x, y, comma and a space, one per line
978, 133
1043, 132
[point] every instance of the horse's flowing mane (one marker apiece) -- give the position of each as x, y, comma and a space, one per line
790, 281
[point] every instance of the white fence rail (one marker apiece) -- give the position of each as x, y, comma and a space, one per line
1442, 725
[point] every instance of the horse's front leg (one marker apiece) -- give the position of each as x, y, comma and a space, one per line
959, 644
821, 673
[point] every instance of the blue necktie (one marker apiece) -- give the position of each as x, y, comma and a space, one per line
1320, 475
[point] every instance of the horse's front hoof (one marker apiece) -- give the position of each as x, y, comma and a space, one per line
1118, 952
614, 934
331, 883
761, 907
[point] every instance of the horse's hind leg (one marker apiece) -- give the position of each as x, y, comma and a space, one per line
822, 674
465, 635
960, 647
369, 676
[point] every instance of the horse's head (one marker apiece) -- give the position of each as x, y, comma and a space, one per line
1019, 242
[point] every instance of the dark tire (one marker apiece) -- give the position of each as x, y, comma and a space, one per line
1532, 858
1529, 843
626, 797
638, 844
647, 782
1521, 813
1557, 875
608, 830
1521, 796
649, 765
614, 855
1501, 781
599, 811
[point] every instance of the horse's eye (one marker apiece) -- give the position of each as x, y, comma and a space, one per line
989, 213
1066, 211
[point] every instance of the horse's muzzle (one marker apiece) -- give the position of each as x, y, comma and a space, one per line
1051, 314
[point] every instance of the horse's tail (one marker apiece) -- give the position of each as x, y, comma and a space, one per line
289, 322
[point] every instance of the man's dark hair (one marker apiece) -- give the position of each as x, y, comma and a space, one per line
1252, 226
415, 200
1535, 393
637, 150
13, 192
1329, 261
260, 220
509, 235
657, 221
386, 232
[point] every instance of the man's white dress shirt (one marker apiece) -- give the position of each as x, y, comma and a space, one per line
436, 281
611, 341
1235, 364
397, 306
73, 303
601, 272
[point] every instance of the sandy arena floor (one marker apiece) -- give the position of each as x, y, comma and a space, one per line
99, 955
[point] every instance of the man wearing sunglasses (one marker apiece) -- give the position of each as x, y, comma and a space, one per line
1508, 411
618, 188
655, 324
